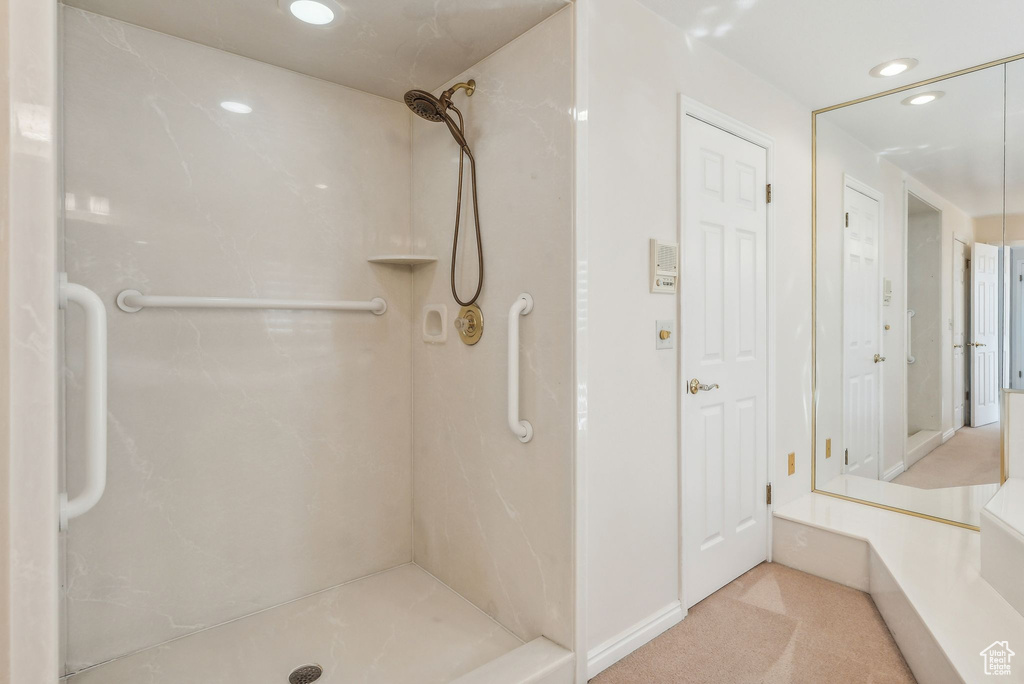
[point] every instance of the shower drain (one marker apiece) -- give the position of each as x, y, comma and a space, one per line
305, 674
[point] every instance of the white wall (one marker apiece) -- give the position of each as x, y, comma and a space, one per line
636, 66
254, 456
493, 516
838, 154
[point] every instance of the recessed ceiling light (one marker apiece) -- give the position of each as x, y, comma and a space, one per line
312, 12
236, 107
893, 67
923, 98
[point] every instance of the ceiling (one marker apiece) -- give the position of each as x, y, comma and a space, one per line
820, 51
385, 47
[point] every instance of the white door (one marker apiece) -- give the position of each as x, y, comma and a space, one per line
724, 323
862, 327
959, 329
984, 334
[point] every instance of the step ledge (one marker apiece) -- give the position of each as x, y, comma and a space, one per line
924, 576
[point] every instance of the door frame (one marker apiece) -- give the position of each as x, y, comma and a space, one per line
713, 117
851, 183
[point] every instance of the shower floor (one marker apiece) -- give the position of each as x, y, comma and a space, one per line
401, 625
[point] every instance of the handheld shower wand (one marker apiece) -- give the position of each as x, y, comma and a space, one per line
431, 108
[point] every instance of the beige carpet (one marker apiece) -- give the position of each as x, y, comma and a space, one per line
970, 457
772, 625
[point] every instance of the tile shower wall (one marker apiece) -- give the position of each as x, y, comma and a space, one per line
493, 516
255, 456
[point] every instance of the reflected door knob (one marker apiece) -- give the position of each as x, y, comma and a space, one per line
879, 358
957, 346
696, 386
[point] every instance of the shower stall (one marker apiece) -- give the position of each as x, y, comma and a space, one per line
303, 477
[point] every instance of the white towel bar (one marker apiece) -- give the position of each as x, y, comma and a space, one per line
95, 400
521, 428
131, 301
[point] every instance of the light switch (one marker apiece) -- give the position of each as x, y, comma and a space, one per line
665, 335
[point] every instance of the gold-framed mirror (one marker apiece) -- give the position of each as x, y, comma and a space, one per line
918, 291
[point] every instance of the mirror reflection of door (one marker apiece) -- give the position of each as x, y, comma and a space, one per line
984, 334
862, 328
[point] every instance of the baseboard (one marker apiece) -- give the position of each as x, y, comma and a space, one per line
893, 472
621, 645
920, 445
948, 435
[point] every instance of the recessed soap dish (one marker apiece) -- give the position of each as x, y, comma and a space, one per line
434, 330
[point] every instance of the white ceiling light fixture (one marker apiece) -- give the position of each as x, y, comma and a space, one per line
893, 67
311, 11
236, 107
919, 99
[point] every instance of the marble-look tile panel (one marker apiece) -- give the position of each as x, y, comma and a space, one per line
401, 626
255, 456
493, 516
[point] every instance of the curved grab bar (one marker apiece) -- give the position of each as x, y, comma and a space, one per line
521, 428
910, 344
95, 400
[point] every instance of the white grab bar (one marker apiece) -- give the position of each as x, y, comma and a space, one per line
910, 344
95, 400
521, 428
131, 301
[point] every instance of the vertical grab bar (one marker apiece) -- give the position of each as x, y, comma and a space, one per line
521, 428
95, 400
910, 339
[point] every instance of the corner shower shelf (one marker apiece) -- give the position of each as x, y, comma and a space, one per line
402, 259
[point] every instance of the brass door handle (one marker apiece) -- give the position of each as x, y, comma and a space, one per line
957, 346
696, 386
976, 344
879, 358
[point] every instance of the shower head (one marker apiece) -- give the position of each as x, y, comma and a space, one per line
425, 105
435, 108
431, 108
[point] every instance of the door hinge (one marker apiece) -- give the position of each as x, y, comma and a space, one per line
847, 219
768, 493
846, 457
768, 193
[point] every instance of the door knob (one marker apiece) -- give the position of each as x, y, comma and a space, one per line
696, 386
957, 346
879, 358
980, 344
